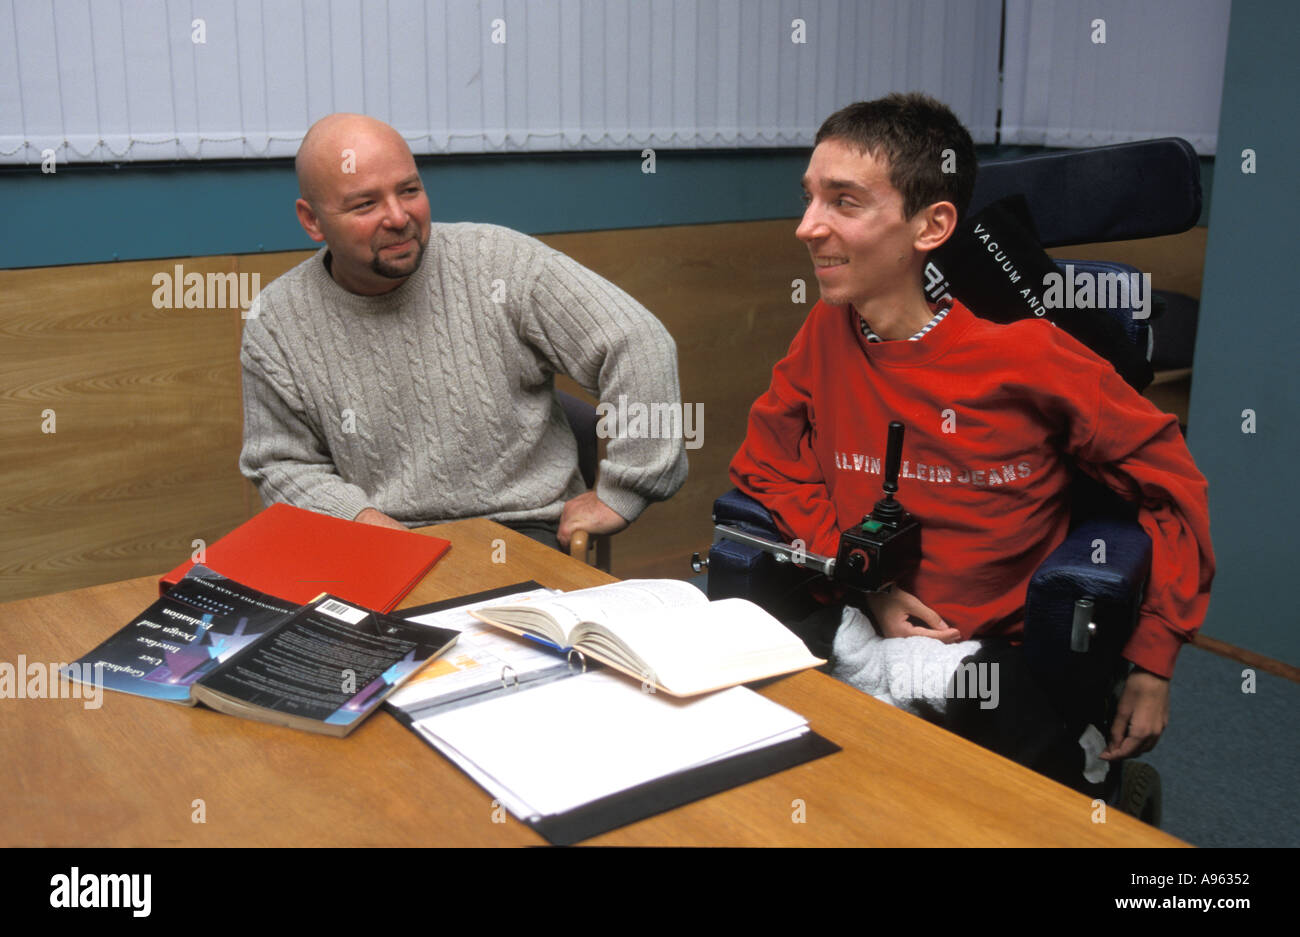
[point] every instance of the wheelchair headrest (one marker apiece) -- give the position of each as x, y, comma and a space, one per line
1107, 193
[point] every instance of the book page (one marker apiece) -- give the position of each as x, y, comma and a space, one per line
573, 741
718, 644
611, 602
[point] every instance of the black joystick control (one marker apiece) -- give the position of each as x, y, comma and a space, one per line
886, 546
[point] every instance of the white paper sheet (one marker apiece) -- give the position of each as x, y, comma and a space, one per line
555, 747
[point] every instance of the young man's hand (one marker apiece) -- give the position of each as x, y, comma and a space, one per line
890, 611
589, 513
1142, 716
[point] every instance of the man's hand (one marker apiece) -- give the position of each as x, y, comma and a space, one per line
890, 611
589, 513
1142, 715
378, 519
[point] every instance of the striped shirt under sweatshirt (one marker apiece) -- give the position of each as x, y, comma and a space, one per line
871, 336
436, 401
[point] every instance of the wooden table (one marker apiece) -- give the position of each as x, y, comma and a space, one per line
137, 772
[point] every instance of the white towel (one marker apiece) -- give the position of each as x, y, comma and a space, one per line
914, 674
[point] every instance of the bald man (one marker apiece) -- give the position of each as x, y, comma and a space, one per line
404, 374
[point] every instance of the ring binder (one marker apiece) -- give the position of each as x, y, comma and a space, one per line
581, 658
505, 679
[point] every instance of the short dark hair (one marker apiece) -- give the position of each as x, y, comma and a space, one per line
912, 131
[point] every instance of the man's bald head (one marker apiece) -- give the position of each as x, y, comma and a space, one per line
362, 195
321, 155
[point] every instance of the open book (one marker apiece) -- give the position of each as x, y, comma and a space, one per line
323, 666
663, 632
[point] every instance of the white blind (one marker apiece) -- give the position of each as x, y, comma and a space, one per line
1158, 73
142, 80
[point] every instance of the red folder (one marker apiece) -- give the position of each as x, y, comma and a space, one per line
298, 554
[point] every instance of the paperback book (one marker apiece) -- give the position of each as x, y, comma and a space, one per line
323, 666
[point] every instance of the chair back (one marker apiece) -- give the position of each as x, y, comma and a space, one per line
582, 420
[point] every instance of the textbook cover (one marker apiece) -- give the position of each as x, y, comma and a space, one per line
202, 621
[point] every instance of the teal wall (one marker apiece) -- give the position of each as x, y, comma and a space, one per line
90, 214
93, 214
1248, 342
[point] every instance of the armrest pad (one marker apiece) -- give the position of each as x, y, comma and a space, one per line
737, 570
738, 508
1115, 586
1070, 569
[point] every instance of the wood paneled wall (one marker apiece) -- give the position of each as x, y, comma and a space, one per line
143, 455
146, 413
117, 424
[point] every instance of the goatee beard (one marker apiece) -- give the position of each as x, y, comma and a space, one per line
385, 269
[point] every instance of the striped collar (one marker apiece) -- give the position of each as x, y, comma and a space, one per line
939, 314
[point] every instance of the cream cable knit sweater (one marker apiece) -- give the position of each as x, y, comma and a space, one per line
436, 401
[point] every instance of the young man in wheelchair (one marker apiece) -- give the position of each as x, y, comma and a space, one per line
998, 418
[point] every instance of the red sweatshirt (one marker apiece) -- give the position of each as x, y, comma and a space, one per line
995, 416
